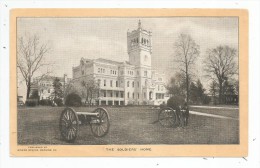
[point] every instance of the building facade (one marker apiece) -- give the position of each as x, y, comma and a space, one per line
129, 82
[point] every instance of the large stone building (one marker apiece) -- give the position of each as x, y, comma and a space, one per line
129, 82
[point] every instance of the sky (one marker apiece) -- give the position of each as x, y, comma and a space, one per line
70, 39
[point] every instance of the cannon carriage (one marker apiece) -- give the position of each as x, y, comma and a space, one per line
173, 117
71, 120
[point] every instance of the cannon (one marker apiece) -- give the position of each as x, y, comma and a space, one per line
70, 120
170, 117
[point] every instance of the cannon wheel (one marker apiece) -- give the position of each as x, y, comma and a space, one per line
100, 125
167, 117
69, 124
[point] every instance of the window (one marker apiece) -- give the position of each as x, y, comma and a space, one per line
98, 81
49, 91
105, 82
82, 72
122, 94
98, 70
145, 73
138, 95
128, 83
105, 94
116, 83
138, 84
133, 84
158, 87
144, 95
116, 93
111, 83
133, 95
145, 58
111, 94
137, 40
128, 95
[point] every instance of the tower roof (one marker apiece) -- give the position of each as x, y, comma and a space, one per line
139, 24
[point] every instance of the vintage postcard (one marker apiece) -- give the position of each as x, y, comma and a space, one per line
129, 82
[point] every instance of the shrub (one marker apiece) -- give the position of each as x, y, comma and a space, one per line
175, 101
206, 99
31, 102
163, 105
73, 99
45, 102
58, 101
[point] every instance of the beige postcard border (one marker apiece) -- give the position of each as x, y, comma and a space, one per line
156, 150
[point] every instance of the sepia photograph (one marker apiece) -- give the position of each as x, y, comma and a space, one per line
128, 80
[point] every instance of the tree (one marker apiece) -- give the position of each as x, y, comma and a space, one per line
186, 53
68, 89
90, 90
176, 86
30, 54
35, 95
220, 64
58, 92
200, 92
213, 90
197, 93
193, 92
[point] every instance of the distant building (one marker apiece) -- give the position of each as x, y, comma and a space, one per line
44, 85
123, 83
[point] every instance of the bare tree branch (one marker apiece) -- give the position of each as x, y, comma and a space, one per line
31, 54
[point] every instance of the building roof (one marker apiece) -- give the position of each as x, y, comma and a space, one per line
108, 61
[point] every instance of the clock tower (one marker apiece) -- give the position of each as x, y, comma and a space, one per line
139, 46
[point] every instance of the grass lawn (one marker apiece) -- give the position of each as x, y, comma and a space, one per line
234, 113
128, 125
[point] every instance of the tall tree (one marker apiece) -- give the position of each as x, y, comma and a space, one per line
176, 86
213, 90
193, 92
57, 92
90, 90
186, 53
30, 54
220, 64
200, 91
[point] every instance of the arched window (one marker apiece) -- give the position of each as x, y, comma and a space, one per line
133, 84
127, 83
133, 95
128, 94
